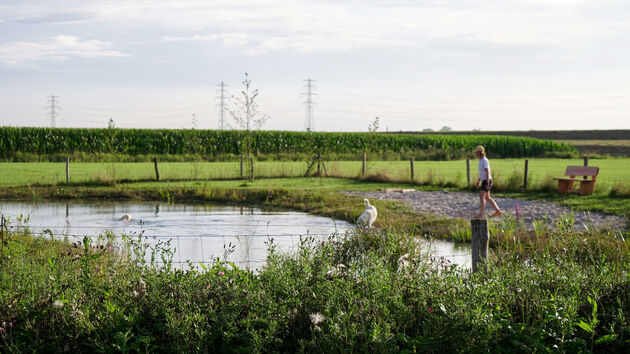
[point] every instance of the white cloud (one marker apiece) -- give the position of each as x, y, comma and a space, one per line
271, 25
61, 47
230, 39
325, 25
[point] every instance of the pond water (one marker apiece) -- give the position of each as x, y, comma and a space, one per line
197, 232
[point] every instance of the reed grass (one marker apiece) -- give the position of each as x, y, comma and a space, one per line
364, 292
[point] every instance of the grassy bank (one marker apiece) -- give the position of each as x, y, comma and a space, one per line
134, 180
320, 196
311, 195
371, 293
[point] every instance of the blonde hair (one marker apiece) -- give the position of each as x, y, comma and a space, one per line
480, 150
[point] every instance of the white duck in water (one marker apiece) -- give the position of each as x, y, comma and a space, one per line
366, 219
126, 217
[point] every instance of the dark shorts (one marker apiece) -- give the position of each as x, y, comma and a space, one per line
486, 185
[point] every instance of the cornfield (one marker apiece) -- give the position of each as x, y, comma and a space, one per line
211, 142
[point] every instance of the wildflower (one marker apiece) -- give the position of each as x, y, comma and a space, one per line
403, 261
141, 287
109, 248
430, 309
221, 273
58, 304
316, 318
333, 273
97, 269
517, 209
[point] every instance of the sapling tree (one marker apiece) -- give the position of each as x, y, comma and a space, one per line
373, 127
196, 148
247, 117
111, 127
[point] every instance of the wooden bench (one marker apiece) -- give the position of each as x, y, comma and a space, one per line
587, 186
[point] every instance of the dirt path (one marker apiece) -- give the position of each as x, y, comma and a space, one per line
466, 205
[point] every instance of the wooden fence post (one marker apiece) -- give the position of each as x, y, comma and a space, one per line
585, 164
480, 239
363, 167
411, 162
157, 172
241, 166
67, 170
468, 172
525, 177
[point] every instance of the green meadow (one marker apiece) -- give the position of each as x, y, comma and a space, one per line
508, 173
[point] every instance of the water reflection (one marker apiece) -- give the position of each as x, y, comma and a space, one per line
199, 232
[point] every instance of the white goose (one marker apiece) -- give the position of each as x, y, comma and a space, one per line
366, 219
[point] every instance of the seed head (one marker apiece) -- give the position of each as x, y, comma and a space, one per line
316, 318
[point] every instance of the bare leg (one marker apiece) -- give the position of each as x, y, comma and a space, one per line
494, 205
482, 204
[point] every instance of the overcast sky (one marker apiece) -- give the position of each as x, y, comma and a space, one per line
489, 65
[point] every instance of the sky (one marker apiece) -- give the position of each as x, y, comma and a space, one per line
423, 64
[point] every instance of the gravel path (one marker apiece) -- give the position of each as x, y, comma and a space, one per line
466, 205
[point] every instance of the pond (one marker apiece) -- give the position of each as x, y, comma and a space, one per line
197, 232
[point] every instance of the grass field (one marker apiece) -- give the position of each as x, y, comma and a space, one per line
601, 147
508, 173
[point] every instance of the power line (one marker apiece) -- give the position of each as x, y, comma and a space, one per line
53, 110
222, 103
309, 123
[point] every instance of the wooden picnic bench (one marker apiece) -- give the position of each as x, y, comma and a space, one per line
587, 186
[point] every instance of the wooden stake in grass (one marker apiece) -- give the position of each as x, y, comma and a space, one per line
251, 172
480, 239
67, 170
319, 156
320, 162
411, 162
525, 177
241, 166
157, 172
468, 172
2, 238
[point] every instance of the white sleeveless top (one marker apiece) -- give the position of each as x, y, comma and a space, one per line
483, 164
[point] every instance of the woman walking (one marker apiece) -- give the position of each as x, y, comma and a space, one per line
485, 184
